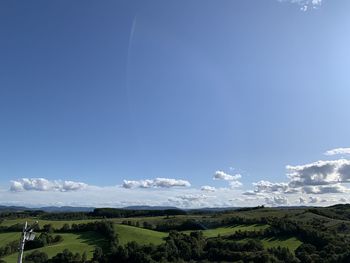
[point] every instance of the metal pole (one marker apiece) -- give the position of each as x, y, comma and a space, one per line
23, 241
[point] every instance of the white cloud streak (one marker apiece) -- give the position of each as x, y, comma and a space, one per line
207, 188
338, 151
268, 187
220, 175
156, 183
276, 200
325, 189
305, 5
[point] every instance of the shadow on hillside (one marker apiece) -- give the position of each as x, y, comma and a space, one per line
93, 239
246, 226
279, 239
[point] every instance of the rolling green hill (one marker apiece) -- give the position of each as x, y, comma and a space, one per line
84, 242
224, 231
274, 227
6, 238
142, 236
292, 243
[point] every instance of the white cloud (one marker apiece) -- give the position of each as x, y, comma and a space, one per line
313, 200
156, 183
268, 187
319, 173
305, 4
338, 151
192, 197
183, 197
342, 200
42, 184
249, 193
128, 184
276, 200
220, 175
233, 180
207, 188
302, 200
324, 178
235, 184
190, 200
325, 189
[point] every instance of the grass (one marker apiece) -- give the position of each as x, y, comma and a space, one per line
140, 235
224, 231
145, 236
292, 243
6, 238
84, 242
89, 240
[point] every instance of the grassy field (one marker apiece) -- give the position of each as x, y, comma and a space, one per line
292, 243
224, 231
88, 241
84, 242
6, 238
142, 236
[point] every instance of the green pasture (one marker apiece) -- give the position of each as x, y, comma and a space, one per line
292, 243
6, 238
224, 231
84, 242
140, 235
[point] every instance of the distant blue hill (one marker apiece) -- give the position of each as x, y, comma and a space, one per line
61, 209
55, 209
147, 207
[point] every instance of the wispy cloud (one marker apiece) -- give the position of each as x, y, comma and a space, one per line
276, 200
207, 188
338, 151
305, 5
325, 189
268, 187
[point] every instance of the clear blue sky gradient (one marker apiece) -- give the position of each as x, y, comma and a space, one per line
101, 91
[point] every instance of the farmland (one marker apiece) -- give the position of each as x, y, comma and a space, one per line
268, 228
80, 243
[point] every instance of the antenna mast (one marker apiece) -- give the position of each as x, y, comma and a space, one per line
27, 235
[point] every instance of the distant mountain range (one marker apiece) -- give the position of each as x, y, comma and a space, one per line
61, 209
147, 207
46, 209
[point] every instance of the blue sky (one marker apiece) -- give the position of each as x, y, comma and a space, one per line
93, 93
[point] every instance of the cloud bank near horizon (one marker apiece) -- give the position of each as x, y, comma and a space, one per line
156, 183
322, 182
